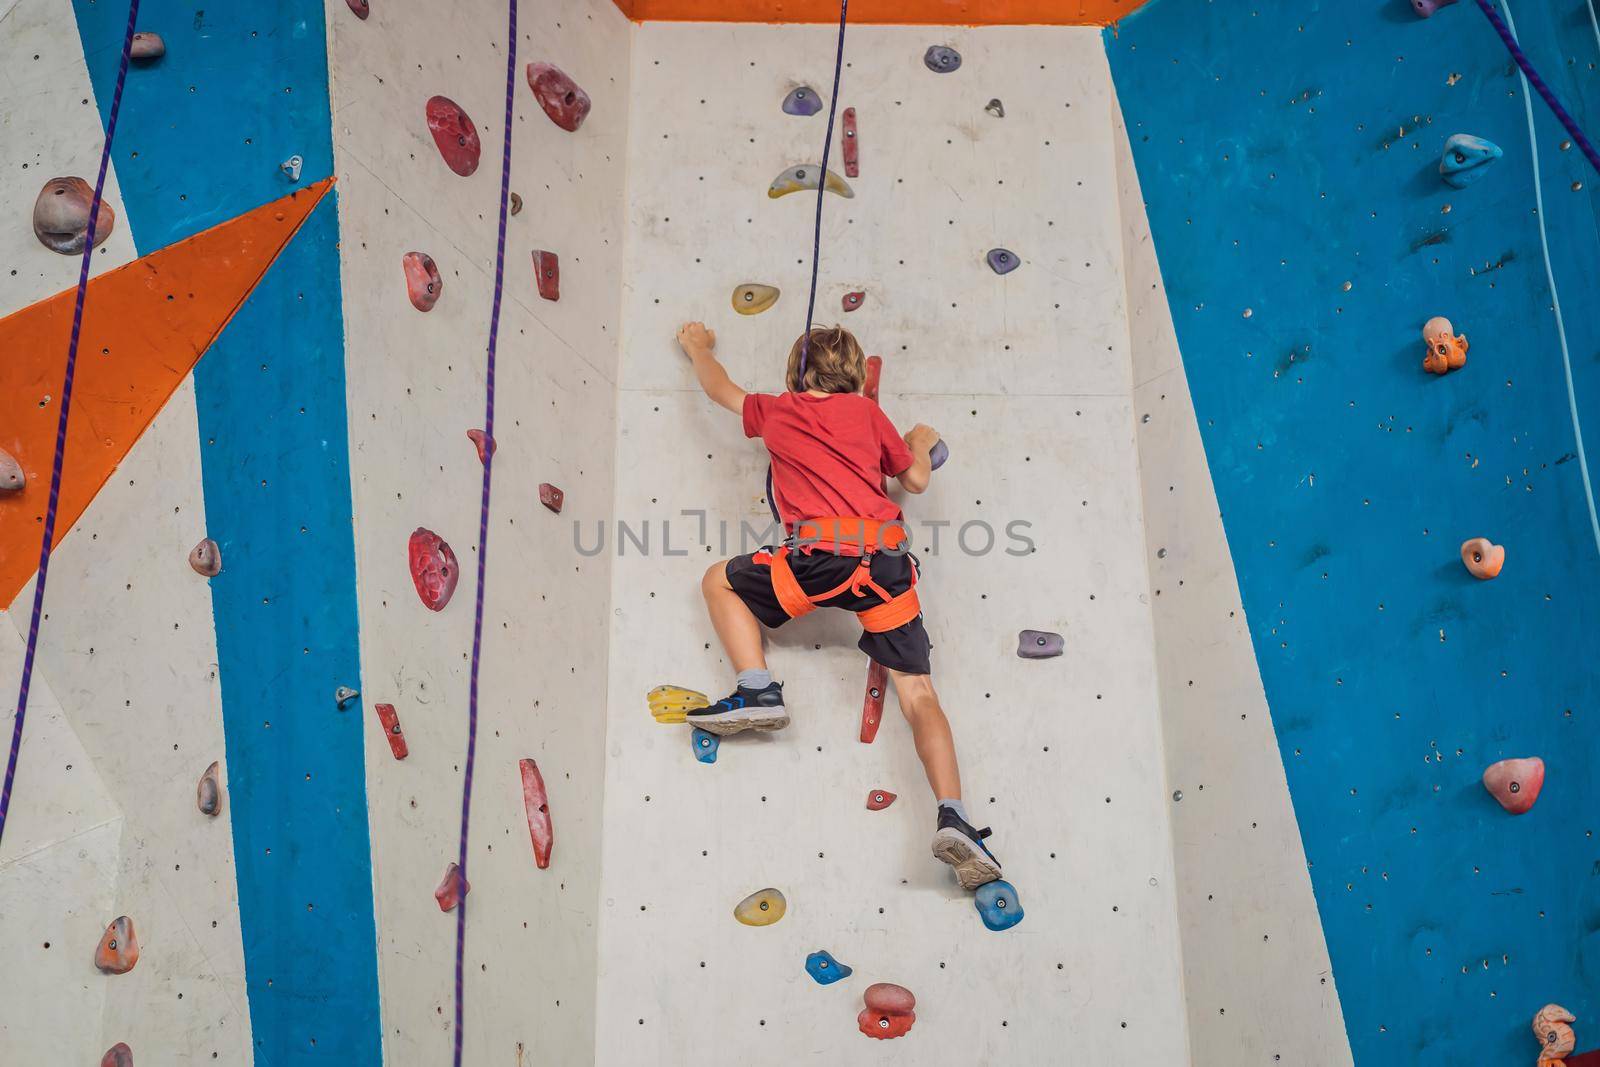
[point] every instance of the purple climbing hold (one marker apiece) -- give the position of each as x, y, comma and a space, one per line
802, 101
1040, 644
1002, 260
940, 59
938, 454
1426, 8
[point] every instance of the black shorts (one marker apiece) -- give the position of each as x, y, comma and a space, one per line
906, 648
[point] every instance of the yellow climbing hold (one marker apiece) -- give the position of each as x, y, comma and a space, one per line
752, 298
671, 703
761, 908
797, 179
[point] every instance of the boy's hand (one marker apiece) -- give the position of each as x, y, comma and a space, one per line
921, 439
696, 340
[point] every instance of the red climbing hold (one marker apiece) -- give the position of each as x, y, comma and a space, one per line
852, 158
208, 793
423, 283
1482, 558
118, 949
537, 805
484, 443
565, 103
1515, 783
874, 374
879, 799
61, 216
551, 497
454, 133
852, 301
391, 730
872, 707
547, 272
118, 1055
360, 7
433, 568
452, 888
889, 1012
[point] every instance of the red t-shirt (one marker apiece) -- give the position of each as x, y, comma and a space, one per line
830, 453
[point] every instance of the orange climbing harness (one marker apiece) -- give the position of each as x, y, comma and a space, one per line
871, 535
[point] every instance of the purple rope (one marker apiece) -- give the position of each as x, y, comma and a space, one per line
483, 527
61, 424
1538, 83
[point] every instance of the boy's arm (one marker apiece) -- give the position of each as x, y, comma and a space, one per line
700, 345
920, 440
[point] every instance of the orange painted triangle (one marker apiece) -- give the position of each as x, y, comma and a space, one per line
145, 326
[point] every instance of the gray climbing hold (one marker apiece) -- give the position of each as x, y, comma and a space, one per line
343, 695
802, 101
1040, 644
291, 167
1002, 260
995, 108
61, 216
208, 794
941, 59
147, 47
206, 558
12, 477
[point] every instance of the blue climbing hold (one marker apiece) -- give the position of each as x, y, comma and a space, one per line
705, 746
824, 968
802, 101
1466, 158
939, 454
998, 904
1002, 260
941, 60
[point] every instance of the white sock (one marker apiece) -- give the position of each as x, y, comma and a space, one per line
956, 806
756, 678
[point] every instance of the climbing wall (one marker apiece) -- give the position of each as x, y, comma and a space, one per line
416, 385
1290, 159
1028, 375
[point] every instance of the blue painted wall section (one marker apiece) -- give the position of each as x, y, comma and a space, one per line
1288, 155
241, 88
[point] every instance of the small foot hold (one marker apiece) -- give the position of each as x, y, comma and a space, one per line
452, 888
852, 301
851, 144
821, 966
705, 745
1446, 350
761, 908
433, 568
291, 167
391, 729
802, 101
872, 704
806, 176
941, 59
672, 703
483, 443
454, 134
997, 903
206, 558
995, 108
118, 949
562, 99
551, 497
752, 298
889, 1013
537, 805
879, 799
1515, 783
547, 273
208, 793
1040, 644
1002, 260
118, 1055
1482, 558
516, 204
343, 695
423, 284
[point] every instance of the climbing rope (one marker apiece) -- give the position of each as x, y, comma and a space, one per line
816, 233
1555, 295
1530, 75
483, 528
61, 423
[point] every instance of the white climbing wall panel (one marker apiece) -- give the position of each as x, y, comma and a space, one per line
124, 711
415, 386
1255, 964
1029, 377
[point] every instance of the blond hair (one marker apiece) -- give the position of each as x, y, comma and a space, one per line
834, 362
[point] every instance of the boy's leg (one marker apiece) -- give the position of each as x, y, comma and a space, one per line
756, 703
956, 841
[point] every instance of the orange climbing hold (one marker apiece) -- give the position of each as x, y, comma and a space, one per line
1515, 783
1446, 351
1482, 557
145, 325
889, 1013
118, 949
452, 888
537, 805
1556, 1037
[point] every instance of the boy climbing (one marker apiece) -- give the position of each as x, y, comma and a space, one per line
831, 449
